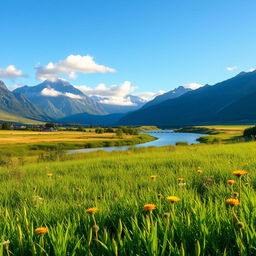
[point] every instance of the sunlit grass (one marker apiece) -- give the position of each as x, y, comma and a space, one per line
195, 220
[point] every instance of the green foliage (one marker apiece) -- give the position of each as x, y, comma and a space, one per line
5, 126
194, 129
181, 143
99, 130
118, 184
50, 125
119, 132
129, 130
250, 132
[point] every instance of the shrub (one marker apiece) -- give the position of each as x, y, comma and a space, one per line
250, 132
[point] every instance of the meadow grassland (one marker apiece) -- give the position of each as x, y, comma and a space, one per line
43, 206
29, 145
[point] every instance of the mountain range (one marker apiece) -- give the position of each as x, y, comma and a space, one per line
229, 102
59, 99
137, 103
14, 106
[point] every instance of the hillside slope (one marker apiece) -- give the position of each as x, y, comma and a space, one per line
15, 104
59, 99
230, 101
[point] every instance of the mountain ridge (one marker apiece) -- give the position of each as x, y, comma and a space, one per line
59, 99
198, 107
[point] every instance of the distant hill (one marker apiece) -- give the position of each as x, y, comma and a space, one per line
17, 105
230, 101
137, 103
59, 99
87, 119
177, 92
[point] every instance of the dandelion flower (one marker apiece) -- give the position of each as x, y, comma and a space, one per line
49, 174
173, 199
149, 207
232, 201
92, 210
231, 182
42, 230
239, 173
180, 179
199, 171
153, 177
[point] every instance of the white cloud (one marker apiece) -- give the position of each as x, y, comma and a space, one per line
193, 86
251, 69
147, 96
11, 73
120, 101
70, 66
73, 96
54, 93
114, 94
231, 68
117, 94
111, 91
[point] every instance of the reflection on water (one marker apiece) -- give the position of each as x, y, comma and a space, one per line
164, 138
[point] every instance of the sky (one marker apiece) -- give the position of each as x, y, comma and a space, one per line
143, 47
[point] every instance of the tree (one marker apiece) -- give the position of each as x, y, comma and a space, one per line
50, 125
119, 132
6, 126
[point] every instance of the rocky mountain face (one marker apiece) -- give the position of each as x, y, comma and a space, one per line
59, 99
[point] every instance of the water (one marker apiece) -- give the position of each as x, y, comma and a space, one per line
164, 138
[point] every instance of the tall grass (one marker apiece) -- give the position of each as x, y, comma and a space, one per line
118, 183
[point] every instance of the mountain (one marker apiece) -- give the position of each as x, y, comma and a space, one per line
177, 92
59, 98
231, 101
87, 119
16, 104
136, 103
2, 85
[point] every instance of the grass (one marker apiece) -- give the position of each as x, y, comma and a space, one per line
29, 146
118, 183
218, 133
7, 117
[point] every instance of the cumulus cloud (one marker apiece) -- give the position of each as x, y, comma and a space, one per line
11, 73
54, 93
112, 91
114, 94
120, 101
193, 86
70, 66
231, 68
117, 94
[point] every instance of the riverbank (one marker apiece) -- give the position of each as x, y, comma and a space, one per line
218, 134
26, 145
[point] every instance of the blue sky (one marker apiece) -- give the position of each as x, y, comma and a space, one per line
154, 44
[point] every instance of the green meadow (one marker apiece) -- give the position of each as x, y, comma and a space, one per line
55, 196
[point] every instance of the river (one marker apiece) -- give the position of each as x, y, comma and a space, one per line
164, 138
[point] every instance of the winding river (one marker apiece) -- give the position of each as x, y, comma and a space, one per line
164, 138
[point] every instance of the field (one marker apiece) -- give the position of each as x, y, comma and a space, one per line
52, 145
55, 195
